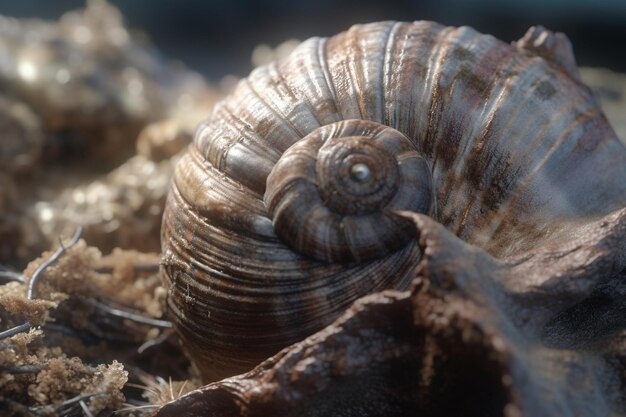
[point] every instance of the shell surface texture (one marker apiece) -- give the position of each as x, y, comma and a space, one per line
280, 214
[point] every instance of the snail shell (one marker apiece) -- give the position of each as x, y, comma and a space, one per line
280, 214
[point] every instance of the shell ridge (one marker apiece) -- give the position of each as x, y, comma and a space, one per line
477, 134
463, 45
354, 72
297, 94
323, 61
220, 146
403, 76
567, 134
369, 69
434, 98
299, 112
432, 89
534, 157
262, 99
309, 85
340, 65
463, 41
246, 132
533, 169
222, 189
205, 138
386, 73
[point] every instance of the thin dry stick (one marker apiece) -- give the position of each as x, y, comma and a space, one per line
15, 330
8, 276
154, 342
36, 276
129, 315
67, 403
59, 252
86, 409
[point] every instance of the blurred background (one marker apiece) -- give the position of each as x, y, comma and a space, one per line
217, 37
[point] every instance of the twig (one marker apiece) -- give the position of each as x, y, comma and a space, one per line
129, 315
36, 276
9, 276
68, 403
86, 409
15, 330
154, 342
60, 251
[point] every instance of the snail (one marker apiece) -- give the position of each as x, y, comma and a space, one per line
281, 213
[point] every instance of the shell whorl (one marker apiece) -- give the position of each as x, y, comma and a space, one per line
511, 142
332, 194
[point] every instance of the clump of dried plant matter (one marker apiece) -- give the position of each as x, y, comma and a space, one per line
84, 314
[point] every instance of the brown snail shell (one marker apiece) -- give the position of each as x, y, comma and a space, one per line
496, 142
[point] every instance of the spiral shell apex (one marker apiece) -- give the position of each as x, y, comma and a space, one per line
331, 195
280, 214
